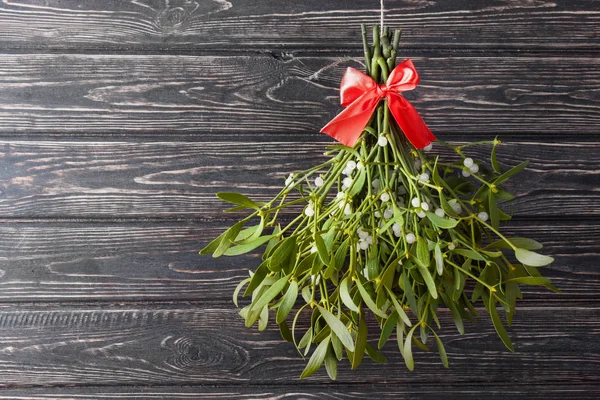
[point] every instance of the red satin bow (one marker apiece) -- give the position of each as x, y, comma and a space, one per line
360, 94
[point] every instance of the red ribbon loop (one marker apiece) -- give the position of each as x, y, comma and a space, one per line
360, 94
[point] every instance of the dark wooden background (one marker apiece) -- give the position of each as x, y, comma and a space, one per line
119, 120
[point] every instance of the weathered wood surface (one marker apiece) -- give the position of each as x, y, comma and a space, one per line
171, 345
309, 391
242, 96
70, 179
112, 261
120, 119
184, 25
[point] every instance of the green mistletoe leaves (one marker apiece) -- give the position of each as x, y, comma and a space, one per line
378, 239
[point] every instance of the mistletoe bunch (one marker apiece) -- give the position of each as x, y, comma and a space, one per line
386, 229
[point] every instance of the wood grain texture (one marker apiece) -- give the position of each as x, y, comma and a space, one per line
71, 179
310, 391
137, 260
217, 96
165, 345
186, 25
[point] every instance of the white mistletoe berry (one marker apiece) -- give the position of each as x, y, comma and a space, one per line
468, 162
387, 214
466, 174
375, 184
351, 165
415, 202
382, 141
410, 238
309, 211
289, 181
424, 206
361, 233
456, 208
319, 181
451, 246
421, 214
384, 197
483, 216
424, 177
428, 147
439, 212
474, 168
347, 209
346, 183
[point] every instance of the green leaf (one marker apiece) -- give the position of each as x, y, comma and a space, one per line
361, 342
338, 348
439, 259
532, 258
263, 320
341, 254
238, 198
322, 249
424, 271
498, 324
423, 251
236, 292
345, 295
282, 253
441, 222
495, 164
289, 299
446, 206
212, 246
493, 209
375, 355
269, 294
387, 329
368, 300
533, 280
338, 327
316, 360
227, 240
358, 184
473, 255
399, 309
250, 233
286, 334
245, 248
523, 243
410, 296
441, 350
511, 172
331, 364
407, 353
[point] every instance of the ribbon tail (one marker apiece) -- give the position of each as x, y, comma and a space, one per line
410, 121
348, 125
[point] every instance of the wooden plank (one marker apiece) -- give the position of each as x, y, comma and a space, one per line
151, 261
306, 390
172, 345
217, 24
164, 179
229, 95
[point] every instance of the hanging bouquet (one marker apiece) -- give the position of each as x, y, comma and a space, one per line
382, 228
